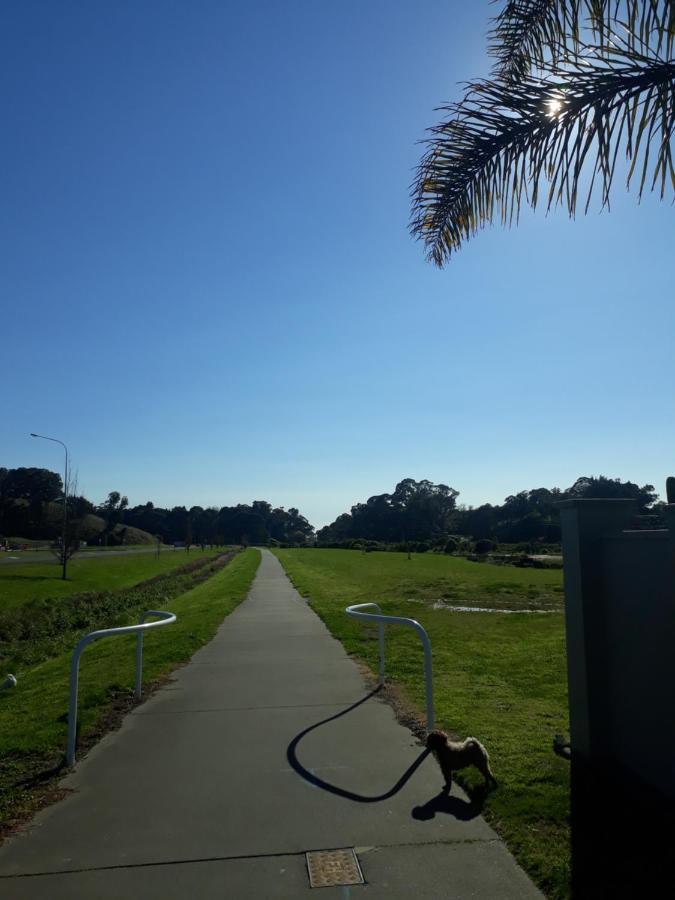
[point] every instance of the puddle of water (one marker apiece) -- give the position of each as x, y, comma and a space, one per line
442, 604
439, 604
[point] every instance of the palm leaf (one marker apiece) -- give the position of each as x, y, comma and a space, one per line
506, 140
533, 34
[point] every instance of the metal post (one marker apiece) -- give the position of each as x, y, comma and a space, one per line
355, 613
429, 679
139, 629
64, 548
72, 702
139, 664
381, 627
139, 651
64, 559
428, 669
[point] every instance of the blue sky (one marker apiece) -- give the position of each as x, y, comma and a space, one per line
209, 292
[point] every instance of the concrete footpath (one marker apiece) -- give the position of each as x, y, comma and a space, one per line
265, 746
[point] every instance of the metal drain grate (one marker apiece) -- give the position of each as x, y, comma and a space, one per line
328, 868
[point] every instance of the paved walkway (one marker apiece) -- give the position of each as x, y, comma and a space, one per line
265, 746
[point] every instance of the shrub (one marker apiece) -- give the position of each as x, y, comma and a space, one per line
484, 546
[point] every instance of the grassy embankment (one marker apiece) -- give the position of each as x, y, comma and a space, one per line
33, 716
500, 677
20, 582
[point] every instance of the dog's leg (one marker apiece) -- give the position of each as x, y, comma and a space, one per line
447, 774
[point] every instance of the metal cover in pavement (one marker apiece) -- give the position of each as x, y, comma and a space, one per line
328, 868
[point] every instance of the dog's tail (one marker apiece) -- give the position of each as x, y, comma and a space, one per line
484, 766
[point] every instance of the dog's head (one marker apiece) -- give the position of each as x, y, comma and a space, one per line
436, 740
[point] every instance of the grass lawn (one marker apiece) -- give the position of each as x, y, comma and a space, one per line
429, 577
30, 581
33, 715
500, 677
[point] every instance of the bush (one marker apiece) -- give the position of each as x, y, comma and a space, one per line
484, 546
369, 546
451, 546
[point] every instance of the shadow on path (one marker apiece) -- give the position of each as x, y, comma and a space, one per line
294, 762
451, 806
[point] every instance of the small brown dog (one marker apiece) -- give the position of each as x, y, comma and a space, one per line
452, 755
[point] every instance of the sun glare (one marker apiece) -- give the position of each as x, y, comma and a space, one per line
553, 107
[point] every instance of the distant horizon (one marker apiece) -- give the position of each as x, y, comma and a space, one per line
659, 487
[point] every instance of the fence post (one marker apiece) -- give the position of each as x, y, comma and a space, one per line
381, 630
139, 629
139, 663
382, 620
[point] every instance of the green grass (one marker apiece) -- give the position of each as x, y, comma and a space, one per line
21, 582
499, 677
32, 715
428, 577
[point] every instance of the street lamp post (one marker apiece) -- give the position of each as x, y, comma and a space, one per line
64, 555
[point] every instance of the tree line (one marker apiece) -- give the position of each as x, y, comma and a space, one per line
31, 507
420, 512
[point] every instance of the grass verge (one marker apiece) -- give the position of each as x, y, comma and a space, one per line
33, 716
499, 677
41, 629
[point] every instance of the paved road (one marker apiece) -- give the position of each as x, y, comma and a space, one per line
9, 557
265, 746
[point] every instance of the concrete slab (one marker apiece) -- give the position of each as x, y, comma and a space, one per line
464, 871
265, 746
259, 684
276, 878
460, 871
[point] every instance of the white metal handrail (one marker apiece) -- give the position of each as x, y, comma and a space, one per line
139, 630
382, 620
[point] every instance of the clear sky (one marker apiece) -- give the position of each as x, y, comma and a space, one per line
209, 293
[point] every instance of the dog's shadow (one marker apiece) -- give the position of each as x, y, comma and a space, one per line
449, 805
442, 803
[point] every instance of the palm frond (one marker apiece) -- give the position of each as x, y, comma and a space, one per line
506, 140
526, 30
533, 34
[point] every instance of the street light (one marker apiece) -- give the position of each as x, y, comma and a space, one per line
65, 498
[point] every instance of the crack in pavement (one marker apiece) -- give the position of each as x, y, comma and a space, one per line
240, 857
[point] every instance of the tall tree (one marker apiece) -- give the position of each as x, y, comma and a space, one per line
576, 83
25, 496
417, 510
112, 509
34, 485
600, 486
